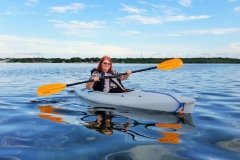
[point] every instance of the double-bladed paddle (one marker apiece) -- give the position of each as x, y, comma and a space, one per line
49, 89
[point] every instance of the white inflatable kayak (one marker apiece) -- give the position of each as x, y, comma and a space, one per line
140, 99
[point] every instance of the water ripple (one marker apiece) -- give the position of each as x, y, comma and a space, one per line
15, 142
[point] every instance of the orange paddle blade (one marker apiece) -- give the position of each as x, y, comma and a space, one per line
49, 89
170, 64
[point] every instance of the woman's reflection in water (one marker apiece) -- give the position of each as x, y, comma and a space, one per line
103, 122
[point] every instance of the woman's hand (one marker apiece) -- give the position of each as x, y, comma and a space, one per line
95, 78
129, 72
125, 76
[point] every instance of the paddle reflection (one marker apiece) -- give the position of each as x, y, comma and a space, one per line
137, 125
45, 113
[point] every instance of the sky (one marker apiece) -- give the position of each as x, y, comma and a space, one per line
119, 28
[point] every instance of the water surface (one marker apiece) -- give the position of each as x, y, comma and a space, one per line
63, 126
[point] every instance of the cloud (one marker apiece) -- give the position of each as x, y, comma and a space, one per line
160, 20
31, 3
7, 13
185, 3
19, 47
231, 1
131, 9
131, 33
74, 7
76, 27
166, 9
237, 9
142, 19
212, 31
233, 48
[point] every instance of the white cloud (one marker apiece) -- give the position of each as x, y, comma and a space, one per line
233, 48
166, 9
6, 13
185, 18
131, 9
31, 3
143, 19
17, 13
237, 9
231, 1
185, 3
79, 25
15, 46
131, 33
212, 31
76, 27
74, 7
160, 20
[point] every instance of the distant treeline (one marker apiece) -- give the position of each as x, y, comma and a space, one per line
118, 60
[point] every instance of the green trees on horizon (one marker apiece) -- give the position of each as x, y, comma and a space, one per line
120, 60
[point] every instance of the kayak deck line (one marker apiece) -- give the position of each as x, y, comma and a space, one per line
140, 99
181, 105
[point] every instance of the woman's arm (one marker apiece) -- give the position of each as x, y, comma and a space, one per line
125, 76
89, 85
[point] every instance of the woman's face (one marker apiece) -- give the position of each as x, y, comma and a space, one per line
105, 65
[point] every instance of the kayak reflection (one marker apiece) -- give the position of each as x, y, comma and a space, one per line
136, 124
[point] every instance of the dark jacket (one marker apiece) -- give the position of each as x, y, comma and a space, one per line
99, 85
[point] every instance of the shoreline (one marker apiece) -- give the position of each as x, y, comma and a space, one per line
117, 60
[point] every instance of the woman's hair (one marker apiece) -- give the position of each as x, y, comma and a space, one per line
99, 68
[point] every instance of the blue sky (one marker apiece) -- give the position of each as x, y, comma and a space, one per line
126, 28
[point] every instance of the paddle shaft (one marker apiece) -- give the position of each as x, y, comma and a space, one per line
140, 70
72, 84
135, 71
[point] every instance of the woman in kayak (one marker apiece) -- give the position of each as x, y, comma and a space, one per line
112, 85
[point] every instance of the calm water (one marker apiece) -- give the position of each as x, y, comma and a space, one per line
62, 126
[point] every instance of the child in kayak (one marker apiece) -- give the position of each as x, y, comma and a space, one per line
112, 85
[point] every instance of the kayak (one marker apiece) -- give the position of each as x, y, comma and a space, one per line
140, 99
